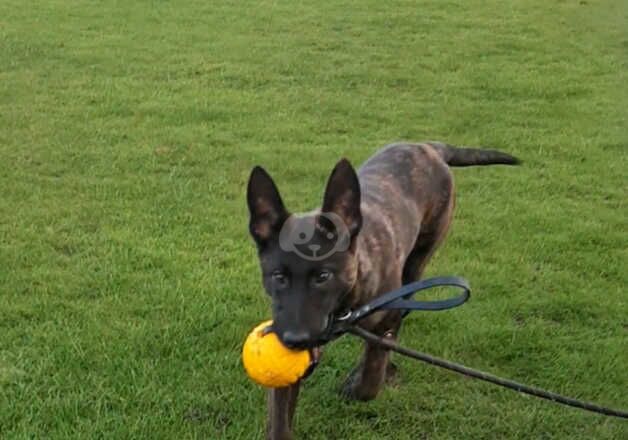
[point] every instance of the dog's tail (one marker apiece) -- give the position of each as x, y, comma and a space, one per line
466, 156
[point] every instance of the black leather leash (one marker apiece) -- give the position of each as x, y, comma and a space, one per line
399, 299
506, 383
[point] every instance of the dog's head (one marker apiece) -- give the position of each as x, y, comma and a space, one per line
308, 261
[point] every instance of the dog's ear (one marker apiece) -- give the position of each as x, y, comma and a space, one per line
342, 196
265, 206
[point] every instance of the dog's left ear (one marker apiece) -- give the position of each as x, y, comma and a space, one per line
342, 196
265, 206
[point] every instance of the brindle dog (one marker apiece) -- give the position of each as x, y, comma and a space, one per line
394, 214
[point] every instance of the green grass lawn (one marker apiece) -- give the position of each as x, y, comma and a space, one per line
128, 281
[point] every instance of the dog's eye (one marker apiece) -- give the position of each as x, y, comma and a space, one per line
279, 277
322, 276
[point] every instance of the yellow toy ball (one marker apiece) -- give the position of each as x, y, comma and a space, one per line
270, 363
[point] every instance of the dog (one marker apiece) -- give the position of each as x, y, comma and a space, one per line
375, 231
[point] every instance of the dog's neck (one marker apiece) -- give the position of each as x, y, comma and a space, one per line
367, 278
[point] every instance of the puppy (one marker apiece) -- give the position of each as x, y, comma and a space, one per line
376, 231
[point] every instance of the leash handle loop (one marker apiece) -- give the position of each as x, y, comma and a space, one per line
399, 299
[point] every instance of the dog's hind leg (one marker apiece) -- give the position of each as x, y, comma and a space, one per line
426, 244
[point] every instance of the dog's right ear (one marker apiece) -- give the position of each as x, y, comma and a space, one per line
265, 206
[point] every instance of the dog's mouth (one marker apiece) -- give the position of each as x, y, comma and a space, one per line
315, 347
315, 355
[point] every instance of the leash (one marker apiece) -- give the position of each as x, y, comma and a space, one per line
399, 299
506, 383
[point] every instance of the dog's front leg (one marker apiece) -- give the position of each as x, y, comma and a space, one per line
281, 405
367, 379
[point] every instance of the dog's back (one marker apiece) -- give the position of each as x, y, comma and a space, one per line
407, 204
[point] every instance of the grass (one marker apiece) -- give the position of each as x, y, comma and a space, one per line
128, 281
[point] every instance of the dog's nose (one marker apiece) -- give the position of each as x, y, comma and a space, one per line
295, 339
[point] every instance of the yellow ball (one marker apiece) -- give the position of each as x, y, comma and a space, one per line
270, 363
